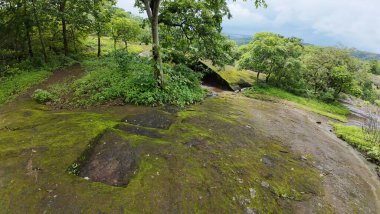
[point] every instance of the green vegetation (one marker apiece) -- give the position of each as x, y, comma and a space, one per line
355, 136
333, 110
127, 78
275, 55
17, 78
42, 96
12, 86
323, 73
165, 171
233, 75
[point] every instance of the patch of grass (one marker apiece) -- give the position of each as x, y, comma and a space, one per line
15, 79
107, 45
354, 136
14, 85
334, 110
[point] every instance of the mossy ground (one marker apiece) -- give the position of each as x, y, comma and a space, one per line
233, 167
332, 110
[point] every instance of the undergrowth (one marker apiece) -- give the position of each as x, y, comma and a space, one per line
354, 136
15, 79
130, 78
333, 110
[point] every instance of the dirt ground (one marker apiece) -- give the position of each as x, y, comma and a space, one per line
229, 154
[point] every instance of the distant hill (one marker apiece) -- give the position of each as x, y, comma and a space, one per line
240, 39
364, 55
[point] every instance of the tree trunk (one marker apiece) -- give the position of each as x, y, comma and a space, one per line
27, 31
99, 48
152, 10
126, 45
41, 38
158, 73
30, 50
267, 78
74, 39
62, 7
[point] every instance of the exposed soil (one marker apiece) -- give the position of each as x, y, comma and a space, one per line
59, 76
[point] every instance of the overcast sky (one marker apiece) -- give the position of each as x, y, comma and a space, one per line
352, 23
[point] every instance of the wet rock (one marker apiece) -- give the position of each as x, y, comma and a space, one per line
268, 161
194, 143
112, 163
137, 130
27, 113
170, 109
152, 119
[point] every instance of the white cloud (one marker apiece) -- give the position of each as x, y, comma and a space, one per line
355, 23
352, 22
128, 5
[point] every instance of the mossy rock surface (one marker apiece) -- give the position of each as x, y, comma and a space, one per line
236, 78
207, 160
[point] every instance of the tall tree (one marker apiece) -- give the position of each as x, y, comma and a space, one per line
37, 14
126, 29
101, 12
28, 27
62, 10
152, 9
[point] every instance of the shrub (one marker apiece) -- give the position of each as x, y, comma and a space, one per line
130, 78
42, 96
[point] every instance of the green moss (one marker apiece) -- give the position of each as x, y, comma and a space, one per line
214, 176
335, 110
233, 75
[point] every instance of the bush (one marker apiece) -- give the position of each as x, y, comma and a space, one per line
356, 137
130, 78
42, 96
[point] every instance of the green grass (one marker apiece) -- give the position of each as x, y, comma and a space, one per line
334, 110
15, 85
107, 45
354, 136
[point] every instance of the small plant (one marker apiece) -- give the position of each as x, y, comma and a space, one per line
42, 96
371, 126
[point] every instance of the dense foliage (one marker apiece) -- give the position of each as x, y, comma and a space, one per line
321, 72
39, 30
127, 78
